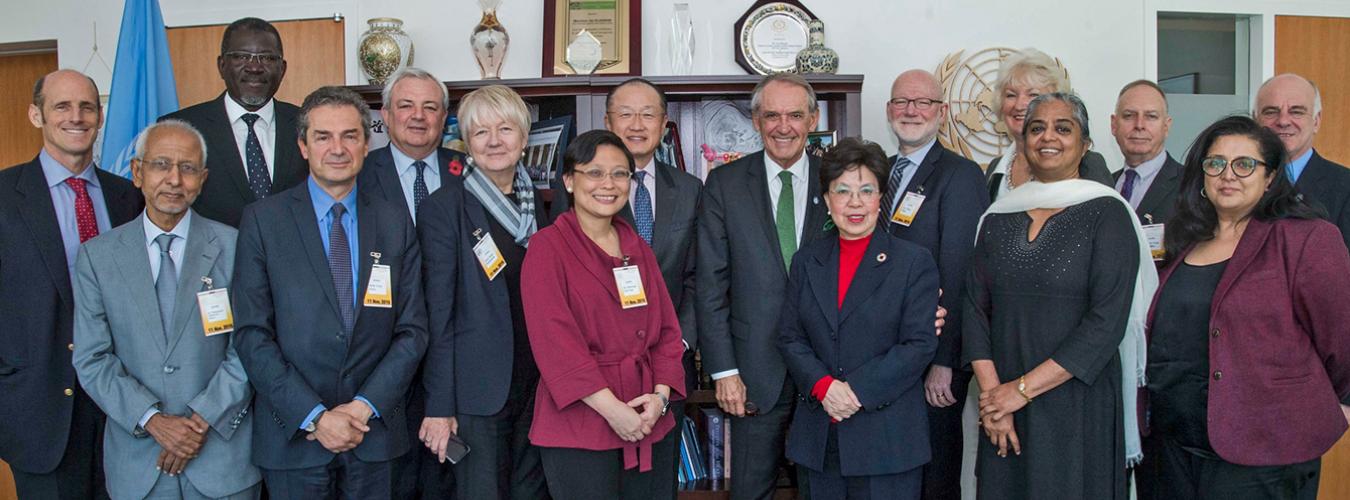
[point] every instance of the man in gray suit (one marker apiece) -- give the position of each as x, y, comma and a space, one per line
166, 374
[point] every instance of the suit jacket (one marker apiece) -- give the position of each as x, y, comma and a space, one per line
1327, 183
471, 350
741, 274
954, 199
37, 313
226, 190
673, 238
1160, 202
128, 363
1092, 167
289, 333
881, 342
380, 176
1278, 350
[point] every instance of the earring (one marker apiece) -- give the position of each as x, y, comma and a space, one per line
1202, 193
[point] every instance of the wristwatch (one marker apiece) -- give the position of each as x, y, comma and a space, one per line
313, 424
665, 403
1022, 388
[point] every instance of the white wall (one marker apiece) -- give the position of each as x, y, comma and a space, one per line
1103, 43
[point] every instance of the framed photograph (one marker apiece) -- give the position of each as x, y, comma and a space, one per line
770, 34
617, 24
544, 149
817, 143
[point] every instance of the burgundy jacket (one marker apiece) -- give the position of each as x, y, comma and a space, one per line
583, 341
1279, 351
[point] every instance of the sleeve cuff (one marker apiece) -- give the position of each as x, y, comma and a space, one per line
725, 373
145, 419
822, 387
371, 405
313, 414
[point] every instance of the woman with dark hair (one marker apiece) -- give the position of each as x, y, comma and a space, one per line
856, 335
605, 337
1053, 326
1249, 348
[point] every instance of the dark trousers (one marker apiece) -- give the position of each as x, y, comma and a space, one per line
1185, 475
501, 464
942, 475
757, 448
418, 473
576, 474
831, 484
346, 477
79, 474
1148, 471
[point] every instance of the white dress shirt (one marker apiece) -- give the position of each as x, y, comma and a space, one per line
407, 175
265, 127
650, 181
177, 246
1147, 171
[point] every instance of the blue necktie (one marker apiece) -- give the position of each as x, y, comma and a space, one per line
1127, 189
340, 264
642, 209
166, 284
893, 186
419, 187
258, 180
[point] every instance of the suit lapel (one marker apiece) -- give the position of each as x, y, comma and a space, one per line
666, 198
120, 202
1163, 185
1253, 238
926, 168
307, 227
40, 216
478, 223
133, 262
386, 177
366, 219
286, 168
816, 213
822, 276
220, 139
871, 272
198, 259
757, 188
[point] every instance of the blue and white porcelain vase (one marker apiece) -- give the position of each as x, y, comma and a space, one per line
816, 58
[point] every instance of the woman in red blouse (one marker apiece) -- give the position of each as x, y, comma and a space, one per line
606, 339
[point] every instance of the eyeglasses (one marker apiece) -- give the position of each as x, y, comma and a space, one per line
162, 166
625, 115
922, 104
597, 175
1243, 166
240, 57
867, 193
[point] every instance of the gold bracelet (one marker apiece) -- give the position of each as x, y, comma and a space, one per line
1022, 388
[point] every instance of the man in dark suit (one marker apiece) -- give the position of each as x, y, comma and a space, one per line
329, 318
935, 198
1291, 106
755, 213
1151, 177
250, 135
50, 430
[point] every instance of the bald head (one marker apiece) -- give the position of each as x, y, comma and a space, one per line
916, 121
1291, 106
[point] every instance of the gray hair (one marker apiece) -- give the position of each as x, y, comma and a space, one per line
332, 96
40, 96
144, 136
788, 78
387, 94
1077, 109
1317, 94
1030, 65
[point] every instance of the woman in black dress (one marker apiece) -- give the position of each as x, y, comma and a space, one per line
1055, 280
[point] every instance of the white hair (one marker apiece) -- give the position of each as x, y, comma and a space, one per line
387, 94
170, 123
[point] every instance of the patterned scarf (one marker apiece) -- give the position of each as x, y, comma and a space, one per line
517, 218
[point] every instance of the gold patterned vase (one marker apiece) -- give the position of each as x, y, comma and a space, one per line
489, 41
383, 49
816, 57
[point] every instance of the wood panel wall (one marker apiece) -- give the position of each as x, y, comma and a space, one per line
313, 49
1317, 48
21, 139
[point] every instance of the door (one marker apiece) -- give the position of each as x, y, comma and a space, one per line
313, 49
18, 72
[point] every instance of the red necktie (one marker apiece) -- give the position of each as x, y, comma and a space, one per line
84, 209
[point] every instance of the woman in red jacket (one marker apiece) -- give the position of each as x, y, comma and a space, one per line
1249, 348
606, 339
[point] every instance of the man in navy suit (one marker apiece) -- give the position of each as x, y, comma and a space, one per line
1151, 177
330, 322
934, 198
50, 430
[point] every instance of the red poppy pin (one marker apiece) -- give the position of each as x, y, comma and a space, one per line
456, 168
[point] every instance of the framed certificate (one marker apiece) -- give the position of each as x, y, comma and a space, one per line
617, 24
770, 34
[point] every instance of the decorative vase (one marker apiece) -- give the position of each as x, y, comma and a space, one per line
383, 49
816, 57
682, 41
489, 41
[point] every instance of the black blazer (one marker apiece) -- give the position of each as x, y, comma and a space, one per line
1092, 167
1327, 184
37, 315
673, 239
1160, 202
472, 348
289, 333
740, 275
379, 176
226, 190
954, 199
880, 342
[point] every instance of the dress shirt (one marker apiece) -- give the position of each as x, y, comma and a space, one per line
63, 200
1296, 166
915, 159
1148, 170
176, 248
650, 182
265, 128
407, 175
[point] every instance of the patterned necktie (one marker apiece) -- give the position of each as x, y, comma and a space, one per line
785, 219
340, 264
84, 209
893, 186
166, 284
258, 180
642, 208
419, 186
1127, 189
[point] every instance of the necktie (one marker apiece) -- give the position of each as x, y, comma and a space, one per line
419, 186
786, 218
258, 180
340, 264
84, 209
1127, 189
166, 284
893, 186
642, 209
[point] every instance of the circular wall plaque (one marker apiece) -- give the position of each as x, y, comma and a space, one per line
770, 35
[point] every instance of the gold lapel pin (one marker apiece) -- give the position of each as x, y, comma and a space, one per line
881, 257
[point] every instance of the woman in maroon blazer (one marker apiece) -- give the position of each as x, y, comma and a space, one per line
1249, 334
606, 339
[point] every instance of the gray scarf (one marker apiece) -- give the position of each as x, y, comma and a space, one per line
517, 218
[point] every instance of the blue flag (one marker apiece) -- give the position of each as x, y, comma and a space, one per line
142, 83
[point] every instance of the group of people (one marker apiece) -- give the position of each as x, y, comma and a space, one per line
299, 311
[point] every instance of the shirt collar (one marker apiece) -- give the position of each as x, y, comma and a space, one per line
649, 168
152, 231
323, 202
234, 111
56, 173
403, 164
918, 155
1150, 167
1297, 165
798, 168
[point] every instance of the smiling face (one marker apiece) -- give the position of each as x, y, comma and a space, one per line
1285, 106
1140, 124
914, 127
69, 117
854, 201
635, 115
1234, 197
169, 192
335, 147
1017, 94
600, 198
495, 143
783, 119
1054, 142
415, 116
251, 82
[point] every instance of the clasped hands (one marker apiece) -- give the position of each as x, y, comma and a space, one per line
997, 406
840, 402
180, 440
343, 427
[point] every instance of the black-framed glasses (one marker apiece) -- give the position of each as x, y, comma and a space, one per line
598, 175
921, 104
1243, 166
162, 166
240, 57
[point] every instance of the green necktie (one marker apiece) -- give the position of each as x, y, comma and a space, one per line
786, 219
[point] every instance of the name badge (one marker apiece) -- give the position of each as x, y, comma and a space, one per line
217, 318
629, 282
907, 209
489, 257
1154, 234
379, 290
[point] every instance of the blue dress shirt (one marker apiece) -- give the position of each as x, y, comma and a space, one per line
63, 200
1296, 166
407, 175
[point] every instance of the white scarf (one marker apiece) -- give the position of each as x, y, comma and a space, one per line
1133, 348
